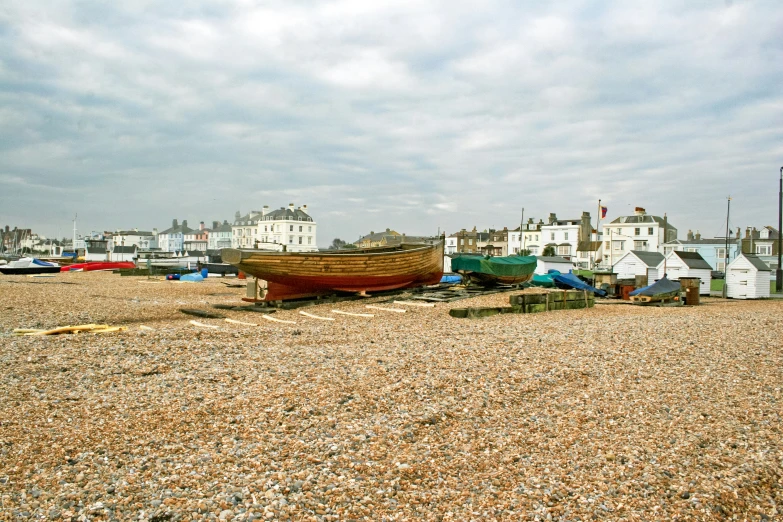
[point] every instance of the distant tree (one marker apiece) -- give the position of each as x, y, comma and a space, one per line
337, 244
549, 251
349, 246
525, 252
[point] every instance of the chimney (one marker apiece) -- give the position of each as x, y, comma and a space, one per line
201, 225
738, 232
697, 236
474, 228
184, 223
215, 224
304, 208
265, 210
639, 211
155, 231
690, 235
291, 207
237, 216
552, 218
747, 232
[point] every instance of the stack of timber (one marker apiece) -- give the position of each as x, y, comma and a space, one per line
533, 302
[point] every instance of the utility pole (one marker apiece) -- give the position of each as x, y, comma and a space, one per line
779, 271
726, 259
521, 224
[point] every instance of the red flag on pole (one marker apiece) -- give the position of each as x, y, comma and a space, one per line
603, 212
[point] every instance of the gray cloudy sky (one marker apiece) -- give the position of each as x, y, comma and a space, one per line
414, 115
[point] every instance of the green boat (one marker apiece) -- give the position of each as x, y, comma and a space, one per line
507, 270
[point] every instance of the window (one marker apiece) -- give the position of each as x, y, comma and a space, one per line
552, 236
720, 253
618, 231
566, 236
290, 228
640, 245
764, 250
650, 231
300, 238
470, 241
300, 228
692, 249
536, 237
291, 240
309, 229
265, 228
461, 241
606, 245
619, 245
720, 266
564, 250
637, 231
310, 240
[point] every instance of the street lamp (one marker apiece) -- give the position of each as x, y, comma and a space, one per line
779, 271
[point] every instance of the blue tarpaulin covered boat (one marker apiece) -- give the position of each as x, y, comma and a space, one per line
661, 289
569, 280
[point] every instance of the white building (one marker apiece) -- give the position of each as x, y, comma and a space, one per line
291, 229
677, 264
748, 277
451, 245
638, 262
219, 236
139, 238
529, 238
565, 234
545, 264
172, 239
640, 232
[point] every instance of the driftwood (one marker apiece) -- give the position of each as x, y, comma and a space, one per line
349, 313
398, 310
202, 325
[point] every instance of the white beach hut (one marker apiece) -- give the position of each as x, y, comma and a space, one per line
547, 263
687, 264
748, 277
638, 262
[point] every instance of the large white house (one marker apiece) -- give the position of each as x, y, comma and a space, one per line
142, 239
290, 229
641, 232
565, 234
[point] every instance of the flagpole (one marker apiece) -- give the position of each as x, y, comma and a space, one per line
597, 225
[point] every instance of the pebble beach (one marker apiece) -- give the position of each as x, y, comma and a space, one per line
616, 412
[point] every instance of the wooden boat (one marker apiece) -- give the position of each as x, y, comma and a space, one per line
484, 270
93, 266
291, 275
29, 265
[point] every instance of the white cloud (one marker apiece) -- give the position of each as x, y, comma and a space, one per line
412, 115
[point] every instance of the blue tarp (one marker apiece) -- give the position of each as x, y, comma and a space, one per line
451, 279
662, 286
38, 262
572, 281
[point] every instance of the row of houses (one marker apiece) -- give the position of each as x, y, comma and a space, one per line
590, 247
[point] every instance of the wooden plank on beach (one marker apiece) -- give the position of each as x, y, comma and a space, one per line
349, 313
316, 316
411, 303
202, 325
275, 319
398, 310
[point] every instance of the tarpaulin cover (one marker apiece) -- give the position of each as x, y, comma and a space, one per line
38, 262
571, 280
499, 266
662, 286
451, 279
544, 281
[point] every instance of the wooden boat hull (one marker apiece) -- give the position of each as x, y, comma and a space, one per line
291, 275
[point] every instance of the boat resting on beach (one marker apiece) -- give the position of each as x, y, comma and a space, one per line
484, 270
92, 266
293, 275
29, 265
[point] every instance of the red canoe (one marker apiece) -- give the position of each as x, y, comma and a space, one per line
98, 265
